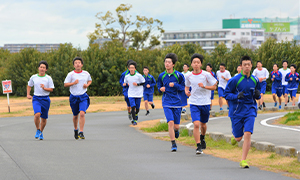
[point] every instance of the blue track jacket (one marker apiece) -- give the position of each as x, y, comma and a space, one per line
277, 80
247, 106
292, 85
173, 97
121, 81
151, 81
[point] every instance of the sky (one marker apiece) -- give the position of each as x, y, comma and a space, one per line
68, 21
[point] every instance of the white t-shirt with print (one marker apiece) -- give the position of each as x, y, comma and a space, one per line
223, 82
36, 81
83, 78
134, 91
263, 73
284, 73
200, 96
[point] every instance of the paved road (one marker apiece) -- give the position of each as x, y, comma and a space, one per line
112, 150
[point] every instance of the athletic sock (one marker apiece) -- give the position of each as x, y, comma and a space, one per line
173, 142
202, 137
176, 130
147, 111
198, 145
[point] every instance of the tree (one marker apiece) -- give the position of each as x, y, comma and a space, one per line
140, 31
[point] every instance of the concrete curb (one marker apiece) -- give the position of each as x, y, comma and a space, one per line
286, 151
265, 146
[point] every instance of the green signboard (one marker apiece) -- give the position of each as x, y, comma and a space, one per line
276, 26
250, 23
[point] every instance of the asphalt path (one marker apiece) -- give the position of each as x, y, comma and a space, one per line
111, 150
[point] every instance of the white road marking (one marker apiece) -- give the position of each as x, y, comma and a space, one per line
264, 123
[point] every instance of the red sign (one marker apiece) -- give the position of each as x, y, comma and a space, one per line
6, 85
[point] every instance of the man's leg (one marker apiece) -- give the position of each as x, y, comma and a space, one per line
75, 122
37, 120
274, 98
81, 121
220, 102
246, 145
146, 105
171, 130
43, 124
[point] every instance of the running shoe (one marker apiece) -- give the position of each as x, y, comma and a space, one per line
233, 141
260, 107
275, 104
81, 136
134, 123
244, 164
203, 144
174, 148
221, 109
76, 134
136, 117
153, 106
41, 137
129, 116
199, 150
37, 134
279, 107
147, 113
183, 110
176, 134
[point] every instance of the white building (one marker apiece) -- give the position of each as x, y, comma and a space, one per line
248, 38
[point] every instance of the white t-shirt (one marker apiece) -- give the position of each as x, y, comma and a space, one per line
134, 91
263, 73
36, 81
200, 96
284, 73
83, 78
186, 74
223, 82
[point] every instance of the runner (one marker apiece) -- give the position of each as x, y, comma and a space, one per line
223, 76
242, 93
262, 74
148, 89
209, 69
125, 89
78, 81
284, 71
238, 69
185, 72
43, 85
276, 77
135, 81
171, 84
293, 81
202, 84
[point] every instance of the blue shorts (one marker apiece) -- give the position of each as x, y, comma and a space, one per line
293, 93
148, 97
263, 86
135, 102
221, 92
127, 101
41, 104
241, 125
284, 89
200, 113
212, 95
79, 103
173, 114
278, 92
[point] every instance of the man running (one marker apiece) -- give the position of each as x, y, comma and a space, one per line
209, 70
223, 77
148, 89
276, 77
43, 85
242, 93
185, 72
284, 71
293, 81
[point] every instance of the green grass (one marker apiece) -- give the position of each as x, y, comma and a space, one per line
291, 119
184, 133
159, 127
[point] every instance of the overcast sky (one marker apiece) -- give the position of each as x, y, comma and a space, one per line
67, 21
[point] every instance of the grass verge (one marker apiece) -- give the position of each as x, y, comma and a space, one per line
290, 119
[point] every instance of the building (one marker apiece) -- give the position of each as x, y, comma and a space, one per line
14, 48
248, 38
103, 40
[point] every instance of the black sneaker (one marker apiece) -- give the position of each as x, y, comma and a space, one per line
130, 116
199, 150
147, 113
76, 134
260, 107
81, 136
289, 99
285, 105
203, 144
264, 105
153, 106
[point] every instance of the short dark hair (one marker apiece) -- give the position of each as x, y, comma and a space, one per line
132, 63
222, 64
196, 55
172, 56
258, 62
78, 58
208, 64
186, 64
245, 58
293, 65
145, 67
43, 62
285, 61
130, 60
275, 64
